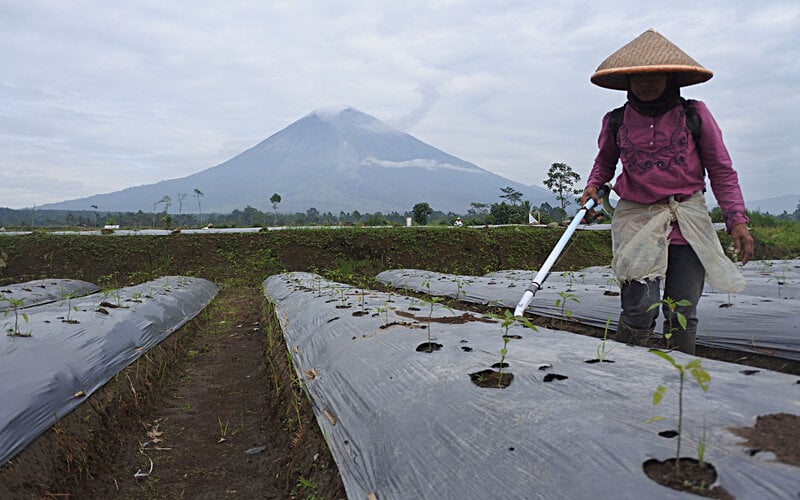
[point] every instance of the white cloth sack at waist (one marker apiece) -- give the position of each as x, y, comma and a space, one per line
639, 235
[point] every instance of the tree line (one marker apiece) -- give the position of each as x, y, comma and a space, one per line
511, 209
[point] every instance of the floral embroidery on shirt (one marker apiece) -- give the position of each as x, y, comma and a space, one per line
642, 157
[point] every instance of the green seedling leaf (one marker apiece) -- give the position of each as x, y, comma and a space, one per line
695, 363
701, 376
654, 418
659, 394
681, 320
526, 323
666, 356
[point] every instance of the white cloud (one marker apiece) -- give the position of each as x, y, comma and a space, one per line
425, 163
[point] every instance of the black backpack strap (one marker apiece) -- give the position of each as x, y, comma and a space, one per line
694, 124
692, 118
615, 117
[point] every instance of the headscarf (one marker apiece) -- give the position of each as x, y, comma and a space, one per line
668, 99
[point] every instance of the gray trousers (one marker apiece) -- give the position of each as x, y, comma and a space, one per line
684, 280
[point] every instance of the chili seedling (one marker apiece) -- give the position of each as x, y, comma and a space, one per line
506, 321
671, 305
16, 305
68, 296
601, 349
562, 303
700, 375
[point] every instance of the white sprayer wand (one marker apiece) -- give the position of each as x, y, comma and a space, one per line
551, 259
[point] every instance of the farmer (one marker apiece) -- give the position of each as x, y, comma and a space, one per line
661, 229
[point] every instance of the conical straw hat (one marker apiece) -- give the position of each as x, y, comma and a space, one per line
650, 52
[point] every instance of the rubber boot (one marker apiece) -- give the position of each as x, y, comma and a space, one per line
632, 336
683, 340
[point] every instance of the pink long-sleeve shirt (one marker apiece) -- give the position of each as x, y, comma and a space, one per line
660, 159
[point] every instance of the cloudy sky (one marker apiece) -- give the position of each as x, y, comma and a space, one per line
96, 96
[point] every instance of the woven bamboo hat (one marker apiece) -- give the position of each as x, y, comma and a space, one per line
650, 52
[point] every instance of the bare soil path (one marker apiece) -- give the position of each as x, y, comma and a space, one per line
231, 422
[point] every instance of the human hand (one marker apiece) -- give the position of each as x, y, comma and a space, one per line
742, 242
590, 192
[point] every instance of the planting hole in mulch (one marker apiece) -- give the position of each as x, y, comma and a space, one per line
668, 434
598, 360
391, 324
360, 313
554, 376
428, 347
492, 379
498, 366
693, 478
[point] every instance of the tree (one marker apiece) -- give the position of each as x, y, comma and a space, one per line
503, 213
181, 196
478, 212
312, 214
376, 219
561, 180
511, 194
420, 212
275, 199
550, 214
198, 194
96, 216
478, 208
154, 213
250, 216
167, 201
